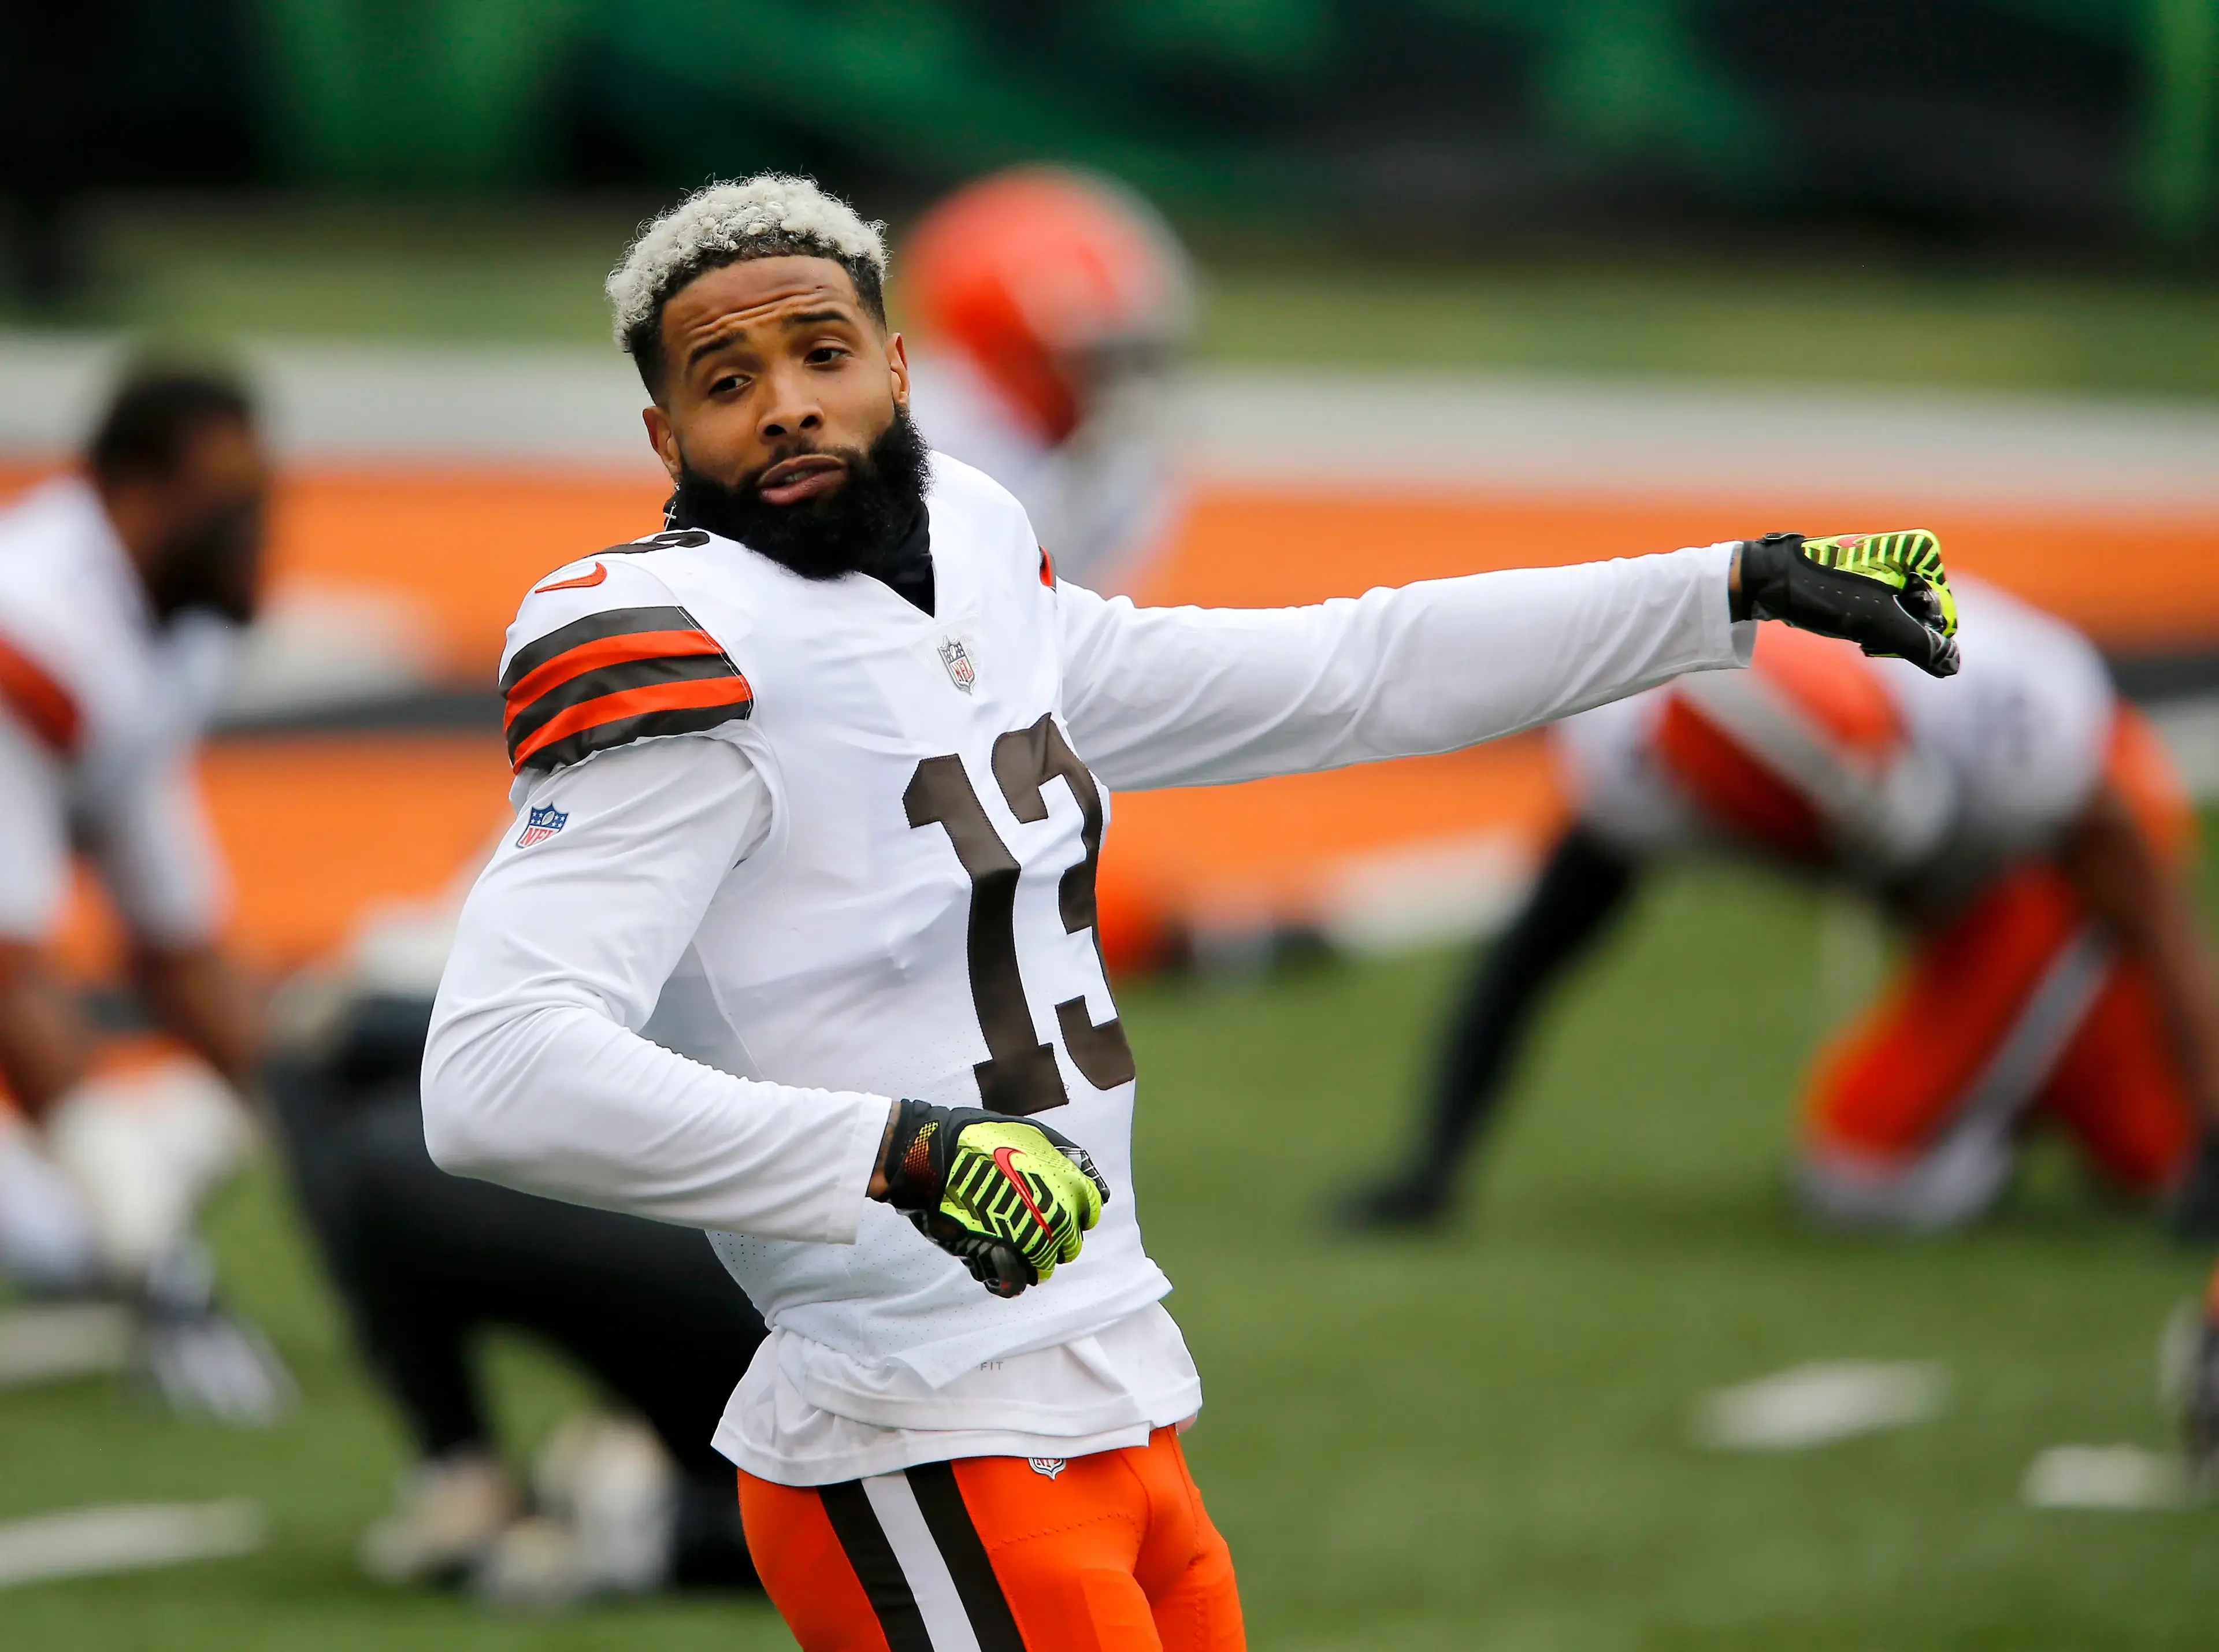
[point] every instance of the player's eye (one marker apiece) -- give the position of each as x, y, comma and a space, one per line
726, 383
825, 354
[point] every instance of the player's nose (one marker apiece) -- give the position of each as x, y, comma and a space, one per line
790, 410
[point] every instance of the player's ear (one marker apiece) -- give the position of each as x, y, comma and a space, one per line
898, 364
662, 438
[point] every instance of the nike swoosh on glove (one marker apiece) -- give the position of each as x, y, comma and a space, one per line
1885, 591
1007, 1198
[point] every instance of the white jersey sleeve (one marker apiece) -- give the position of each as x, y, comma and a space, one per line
2025, 729
34, 849
1606, 761
103, 703
1158, 697
536, 1075
602, 656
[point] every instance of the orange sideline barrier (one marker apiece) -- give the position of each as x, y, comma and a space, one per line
317, 828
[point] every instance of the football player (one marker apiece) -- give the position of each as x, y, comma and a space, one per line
1053, 306
2021, 825
831, 760
122, 588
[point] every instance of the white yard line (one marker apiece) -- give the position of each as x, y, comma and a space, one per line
1818, 1404
50, 1343
126, 1537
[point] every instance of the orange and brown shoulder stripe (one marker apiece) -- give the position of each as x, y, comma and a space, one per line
613, 677
46, 708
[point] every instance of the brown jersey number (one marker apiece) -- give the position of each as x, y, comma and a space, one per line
1020, 1075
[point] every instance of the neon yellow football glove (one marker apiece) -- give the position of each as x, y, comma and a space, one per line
1887, 592
1007, 1198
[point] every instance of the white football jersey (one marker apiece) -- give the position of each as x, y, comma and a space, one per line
99, 709
875, 876
931, 881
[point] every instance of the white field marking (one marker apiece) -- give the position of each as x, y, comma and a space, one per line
50, 1342
316, 644
1875, 447
126, 1537
1818, 1404
2105, 1477
1422, 894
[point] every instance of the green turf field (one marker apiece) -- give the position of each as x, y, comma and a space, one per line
1473, 1442
505, 274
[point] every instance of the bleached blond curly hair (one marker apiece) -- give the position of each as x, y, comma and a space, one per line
768, 216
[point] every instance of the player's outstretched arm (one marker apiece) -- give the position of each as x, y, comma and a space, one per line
1158, 697
1008, 1198
2149, 906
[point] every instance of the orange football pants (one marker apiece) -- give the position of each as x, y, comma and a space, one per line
1894, 1083
1107, 1553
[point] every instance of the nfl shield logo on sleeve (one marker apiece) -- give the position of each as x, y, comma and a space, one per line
960, 671
542, 824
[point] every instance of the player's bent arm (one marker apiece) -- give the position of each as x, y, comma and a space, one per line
2148, 905
535, 1075
204, 996
1189, 696
44, 1039
158, 861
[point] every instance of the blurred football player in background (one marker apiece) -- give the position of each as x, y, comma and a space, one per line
2021, 823
1052, 305
424, 1262
123, 589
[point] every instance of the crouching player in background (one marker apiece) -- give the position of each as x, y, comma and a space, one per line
2023, 826
121, 590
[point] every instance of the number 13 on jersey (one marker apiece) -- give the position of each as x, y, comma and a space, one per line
1020, 1074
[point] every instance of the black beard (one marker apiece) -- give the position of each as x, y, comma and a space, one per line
848, 530
213, 564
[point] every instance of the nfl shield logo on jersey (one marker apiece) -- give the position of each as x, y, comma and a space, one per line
540, 825
960, 671
1048, 1466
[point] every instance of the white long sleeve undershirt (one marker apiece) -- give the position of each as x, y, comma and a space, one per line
536, 1075
1160, 697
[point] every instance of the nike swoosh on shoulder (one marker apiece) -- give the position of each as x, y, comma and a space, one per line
600, 572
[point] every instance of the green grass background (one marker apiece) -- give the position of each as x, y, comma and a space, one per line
1472, 1441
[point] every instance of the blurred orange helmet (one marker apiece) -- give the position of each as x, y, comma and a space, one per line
1029, 269
1801, 754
